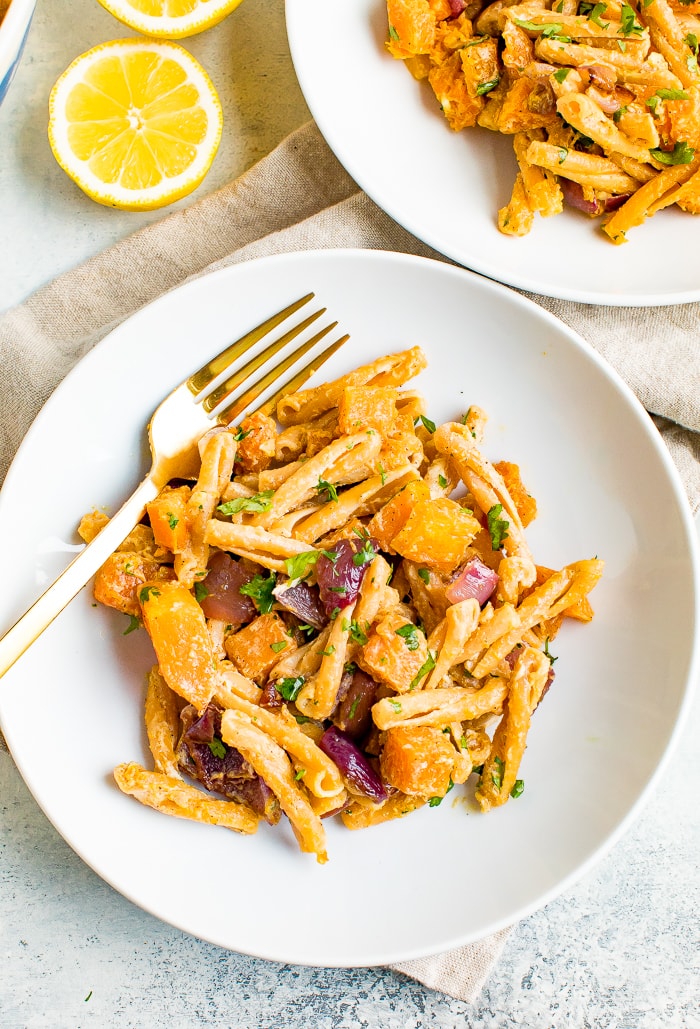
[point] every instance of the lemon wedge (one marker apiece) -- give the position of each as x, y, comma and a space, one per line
171, 19
135, 123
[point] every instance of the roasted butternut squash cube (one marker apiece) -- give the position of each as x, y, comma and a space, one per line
256, 451
480, 67
168, 517
418, 760
450, 87
391, 518
257, 647
178, 630
436, 533
528, 104
90, 524
395, 653
367, 407
118, 581
411, 27
525, 503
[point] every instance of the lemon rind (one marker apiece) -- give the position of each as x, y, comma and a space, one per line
167, 27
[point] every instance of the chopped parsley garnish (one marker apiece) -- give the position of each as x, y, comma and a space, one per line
366, 553
681, 154
563, 154
329, 489
396, 704
552, 28
298, 566
497, 775
552, 659
300, 774
328, 651
409, 634
595, 16
240, 435
498, 527
147, 592
481, 90
172, 520
217, 747
629, 26
200, 592
442, 481
257, 503
277, 647
561, 74
382, 474
692, 41
426, 667
134, 623
260, 592
518, 787
672, 94
290, 687
356, 634
353, 707
424, 574
393, 34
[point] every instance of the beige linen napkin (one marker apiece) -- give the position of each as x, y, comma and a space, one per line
300, 198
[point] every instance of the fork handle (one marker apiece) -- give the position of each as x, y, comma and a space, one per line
69, 583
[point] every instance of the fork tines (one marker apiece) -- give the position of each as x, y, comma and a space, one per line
223, 400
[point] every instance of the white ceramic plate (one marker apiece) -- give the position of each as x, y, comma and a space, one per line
71, 707
446, 188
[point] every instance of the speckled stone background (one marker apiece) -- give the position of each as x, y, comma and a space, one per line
619, 950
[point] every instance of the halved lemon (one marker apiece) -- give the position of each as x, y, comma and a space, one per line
171, 19
136, 123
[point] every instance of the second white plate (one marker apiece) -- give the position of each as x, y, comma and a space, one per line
446, 188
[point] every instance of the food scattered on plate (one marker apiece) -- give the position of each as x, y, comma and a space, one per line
346, 615
602, 99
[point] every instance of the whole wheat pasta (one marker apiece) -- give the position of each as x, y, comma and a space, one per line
321, 776
162, 719
217, 465
272, 764
440, 707
500, 770
174, 797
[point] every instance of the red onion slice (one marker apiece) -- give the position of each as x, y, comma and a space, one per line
476, 580
352, 763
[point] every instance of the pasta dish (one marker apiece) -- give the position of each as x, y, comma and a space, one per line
602, 100
345, 614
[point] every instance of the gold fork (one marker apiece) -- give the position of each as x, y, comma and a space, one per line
209, 397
